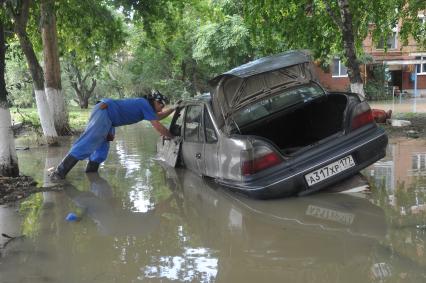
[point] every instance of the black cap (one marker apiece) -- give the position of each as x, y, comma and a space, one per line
157, 96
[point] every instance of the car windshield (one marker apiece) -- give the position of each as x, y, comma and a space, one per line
277, 102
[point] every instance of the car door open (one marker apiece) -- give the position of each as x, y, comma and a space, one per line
169, 149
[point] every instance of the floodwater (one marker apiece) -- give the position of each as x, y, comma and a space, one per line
139, 221
399, 105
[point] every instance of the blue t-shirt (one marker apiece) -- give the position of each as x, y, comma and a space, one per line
129, 111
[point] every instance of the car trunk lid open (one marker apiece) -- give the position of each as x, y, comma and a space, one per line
252, 82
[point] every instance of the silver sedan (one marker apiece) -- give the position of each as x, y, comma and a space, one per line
268, 129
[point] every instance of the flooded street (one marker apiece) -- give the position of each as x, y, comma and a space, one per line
140, 221
399, 105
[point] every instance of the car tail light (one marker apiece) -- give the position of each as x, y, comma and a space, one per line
258, 159
362, 116
362, 119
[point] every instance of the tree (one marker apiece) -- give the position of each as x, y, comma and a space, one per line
18, 79
343, 20
20, 16
329, 27
8, 158
90, 34
79, 80
162, 45
224, 43
52, 68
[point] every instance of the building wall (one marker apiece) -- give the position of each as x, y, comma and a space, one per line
400, 53
403, 159
407, 82
330, 83
400, 50
342, 83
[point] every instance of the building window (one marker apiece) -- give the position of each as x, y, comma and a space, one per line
339, 70
390, 42
421, 68
418, 162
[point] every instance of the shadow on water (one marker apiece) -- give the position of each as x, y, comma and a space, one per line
140, 221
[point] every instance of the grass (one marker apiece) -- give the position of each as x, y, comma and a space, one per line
77, 117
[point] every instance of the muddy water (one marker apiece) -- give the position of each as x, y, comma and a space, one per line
397, 105
141, 222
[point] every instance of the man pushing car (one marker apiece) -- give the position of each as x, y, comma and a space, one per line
107, 114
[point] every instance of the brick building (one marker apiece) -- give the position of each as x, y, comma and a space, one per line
406, 66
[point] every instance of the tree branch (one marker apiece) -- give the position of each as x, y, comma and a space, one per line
92, 87
89, 73
337, 19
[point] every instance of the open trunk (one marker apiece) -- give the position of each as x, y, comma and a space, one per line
293, 129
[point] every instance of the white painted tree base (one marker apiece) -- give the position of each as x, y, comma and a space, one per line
57, 107
8, 157
359, 89
46, 118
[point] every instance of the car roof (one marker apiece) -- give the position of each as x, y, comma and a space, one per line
203, 98
266, 64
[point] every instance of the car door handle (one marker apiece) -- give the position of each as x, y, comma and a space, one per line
198, 155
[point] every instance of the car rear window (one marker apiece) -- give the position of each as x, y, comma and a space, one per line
277, 102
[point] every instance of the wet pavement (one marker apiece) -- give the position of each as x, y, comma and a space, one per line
140, 221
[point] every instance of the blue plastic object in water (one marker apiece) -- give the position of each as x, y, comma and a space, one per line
71, 217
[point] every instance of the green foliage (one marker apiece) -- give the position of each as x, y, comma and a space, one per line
313, 24
224, 44
177, 46
18, 78
89, 34
159, 55
114, 79
411, 26
29, 116
78, 117
301, 24
377, 87
88, 29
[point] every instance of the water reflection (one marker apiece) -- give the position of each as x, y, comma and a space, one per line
399, 187
111, 219
327, 235
405, 161
141, 222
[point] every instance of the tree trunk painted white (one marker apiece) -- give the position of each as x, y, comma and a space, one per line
359, 89
46, 118
8, 157
57, 107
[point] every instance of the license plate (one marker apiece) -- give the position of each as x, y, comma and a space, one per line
330, 214
329, 170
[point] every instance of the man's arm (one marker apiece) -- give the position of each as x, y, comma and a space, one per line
161, 129
165, 113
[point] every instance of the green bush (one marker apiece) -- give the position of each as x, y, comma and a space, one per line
377, 87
